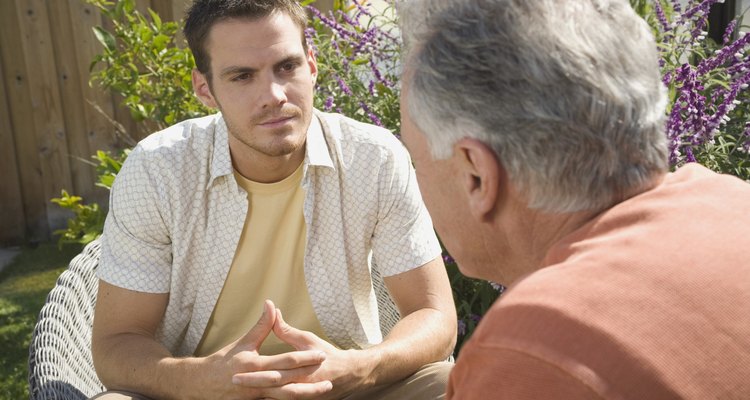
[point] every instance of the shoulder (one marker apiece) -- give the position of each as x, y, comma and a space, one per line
185, 142
354, 133
179, 155
179, 136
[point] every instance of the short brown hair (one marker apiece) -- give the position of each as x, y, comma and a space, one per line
203, 14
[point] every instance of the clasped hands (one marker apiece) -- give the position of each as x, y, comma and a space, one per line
316, 370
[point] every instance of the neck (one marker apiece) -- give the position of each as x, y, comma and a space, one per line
528, 235
263, 168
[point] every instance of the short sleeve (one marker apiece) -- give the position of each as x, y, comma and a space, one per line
404, 238
499, 373
136, 246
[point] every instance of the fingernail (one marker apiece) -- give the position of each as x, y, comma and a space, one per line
322, 355
235, 380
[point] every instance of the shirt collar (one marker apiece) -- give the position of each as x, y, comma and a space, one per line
316, 149
221, 161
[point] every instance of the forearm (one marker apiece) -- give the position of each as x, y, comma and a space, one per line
137, 363
422, 337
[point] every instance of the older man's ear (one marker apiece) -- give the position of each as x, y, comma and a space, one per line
482, 175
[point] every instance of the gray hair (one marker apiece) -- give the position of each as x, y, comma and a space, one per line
567, 93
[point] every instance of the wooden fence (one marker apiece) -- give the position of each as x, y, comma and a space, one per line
48, 125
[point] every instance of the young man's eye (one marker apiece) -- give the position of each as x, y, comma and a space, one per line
241, 77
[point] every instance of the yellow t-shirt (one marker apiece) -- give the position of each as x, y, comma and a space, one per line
268, 264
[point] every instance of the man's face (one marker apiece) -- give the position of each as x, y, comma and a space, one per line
441, 187
262, 80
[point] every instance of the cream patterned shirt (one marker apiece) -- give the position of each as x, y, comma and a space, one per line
176, 215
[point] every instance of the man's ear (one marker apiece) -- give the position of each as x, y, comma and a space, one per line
481, 172
313, 63
203, 90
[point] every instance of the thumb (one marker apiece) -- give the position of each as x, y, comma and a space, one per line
290, 335
258, 333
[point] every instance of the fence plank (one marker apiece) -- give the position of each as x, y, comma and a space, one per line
12, 222
49, 126
163, 8
70, 93
98, 107
101, 132
179, 7
22, 119
142, 6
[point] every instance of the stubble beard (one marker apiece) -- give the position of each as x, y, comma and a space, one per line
275, 148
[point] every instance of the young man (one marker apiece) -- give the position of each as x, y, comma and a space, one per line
537, 132
218, 225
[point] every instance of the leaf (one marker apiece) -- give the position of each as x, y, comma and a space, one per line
160, 41
155, 18
361, 61
105, 38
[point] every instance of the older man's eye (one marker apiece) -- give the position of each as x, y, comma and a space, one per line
288, 66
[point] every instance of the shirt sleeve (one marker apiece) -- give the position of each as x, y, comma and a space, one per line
404, 238
136, 247
498, 373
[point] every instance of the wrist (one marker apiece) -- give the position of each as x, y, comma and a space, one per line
185, 378
367, 363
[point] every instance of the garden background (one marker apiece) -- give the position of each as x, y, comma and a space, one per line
52, 119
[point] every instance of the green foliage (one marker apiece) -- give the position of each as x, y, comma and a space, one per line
88, 221
87, 224
706, 123
142, 62
108, 167
358, 63
473, 297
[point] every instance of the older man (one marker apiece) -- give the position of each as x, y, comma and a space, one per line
537, 132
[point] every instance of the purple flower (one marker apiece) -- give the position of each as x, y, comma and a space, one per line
356, 58
374, 118
729, 31
705, 89
344, 87
448, 259
328, 104
461, 327
662, 18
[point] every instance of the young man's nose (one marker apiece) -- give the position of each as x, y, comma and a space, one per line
274, 93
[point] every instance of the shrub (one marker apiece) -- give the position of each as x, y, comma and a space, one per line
88, 223
142, 62
706, 82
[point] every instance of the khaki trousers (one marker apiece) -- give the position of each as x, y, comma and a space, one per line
428, 383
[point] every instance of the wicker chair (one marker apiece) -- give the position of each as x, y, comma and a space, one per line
60, 363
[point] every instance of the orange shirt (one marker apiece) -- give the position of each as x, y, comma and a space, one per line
650, 300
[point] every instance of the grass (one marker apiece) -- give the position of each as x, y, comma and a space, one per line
24, 285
